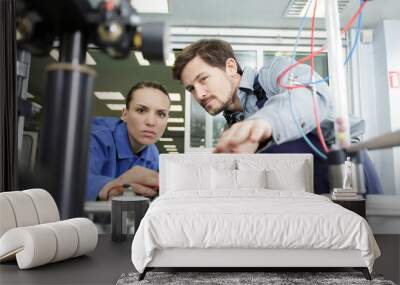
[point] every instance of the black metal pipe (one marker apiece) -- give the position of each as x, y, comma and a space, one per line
65, 130
73, 48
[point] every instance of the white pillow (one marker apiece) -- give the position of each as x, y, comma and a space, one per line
251, 178
223, 179
293, 178
185, 177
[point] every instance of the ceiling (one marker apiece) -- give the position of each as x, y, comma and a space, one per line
261, 13
120, 75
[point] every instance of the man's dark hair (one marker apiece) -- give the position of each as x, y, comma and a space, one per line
145, 84
214, 52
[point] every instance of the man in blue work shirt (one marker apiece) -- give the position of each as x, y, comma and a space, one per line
122, 151
257, 109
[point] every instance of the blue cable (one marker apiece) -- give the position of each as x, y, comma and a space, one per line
311, 145
300, 31
314, 148
356, 42
350, 55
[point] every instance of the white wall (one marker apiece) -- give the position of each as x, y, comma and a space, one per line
363, 99
392, 39
373, 100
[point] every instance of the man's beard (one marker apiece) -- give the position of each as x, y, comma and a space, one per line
218, 110
214, 112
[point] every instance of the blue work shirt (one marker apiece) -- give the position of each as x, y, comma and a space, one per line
276, 109
285, 135
111, 154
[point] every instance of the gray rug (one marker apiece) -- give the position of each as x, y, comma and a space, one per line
228, 278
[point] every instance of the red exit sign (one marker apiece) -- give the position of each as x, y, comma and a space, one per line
394, 79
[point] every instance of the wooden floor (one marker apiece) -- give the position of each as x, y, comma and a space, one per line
389, 262
106, 264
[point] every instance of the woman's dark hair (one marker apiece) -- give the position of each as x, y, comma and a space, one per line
144, 84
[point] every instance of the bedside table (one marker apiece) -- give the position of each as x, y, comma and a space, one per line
120, 205
356, 205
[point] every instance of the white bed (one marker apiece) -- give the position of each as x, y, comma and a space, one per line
237, 211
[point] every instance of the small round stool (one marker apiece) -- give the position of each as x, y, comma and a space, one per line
120, 205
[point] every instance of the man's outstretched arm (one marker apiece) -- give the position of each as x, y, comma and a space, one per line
274, 121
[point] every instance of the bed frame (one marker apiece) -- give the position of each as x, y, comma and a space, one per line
243, 259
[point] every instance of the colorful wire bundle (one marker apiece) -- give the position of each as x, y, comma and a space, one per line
311, 58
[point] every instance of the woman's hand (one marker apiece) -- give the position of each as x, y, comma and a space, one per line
143, 181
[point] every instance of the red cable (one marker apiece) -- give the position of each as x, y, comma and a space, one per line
109, 5
355, 16
345, 29
315, 107
311, 56
304, 59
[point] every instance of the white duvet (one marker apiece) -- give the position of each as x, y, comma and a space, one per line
253, 218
